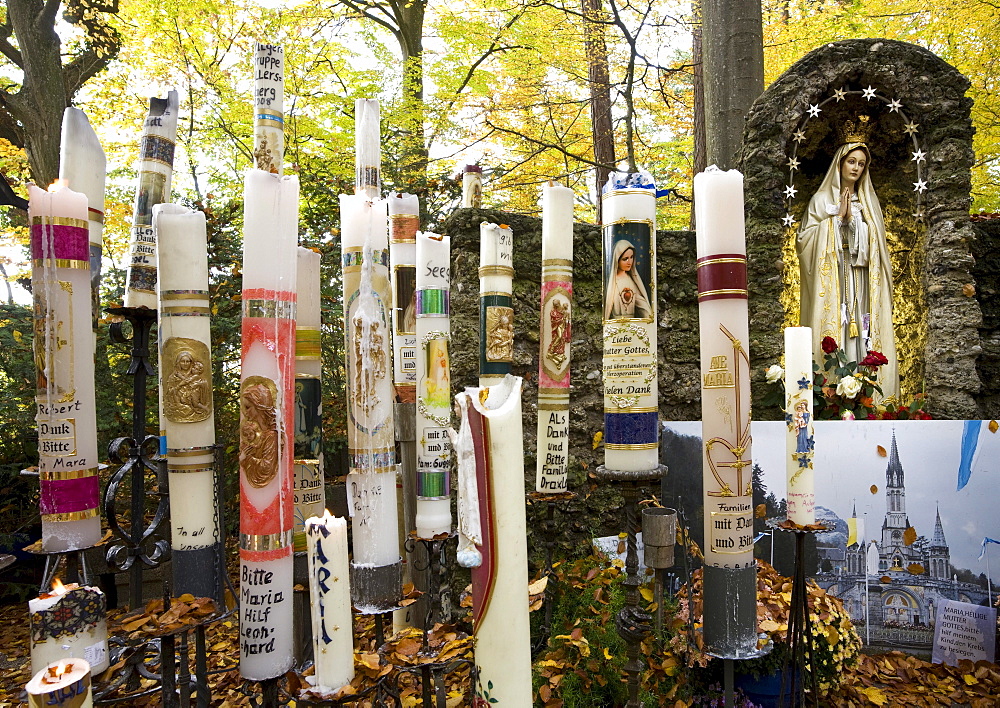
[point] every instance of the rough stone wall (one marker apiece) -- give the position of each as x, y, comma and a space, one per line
987, 274
597, 509
937, 322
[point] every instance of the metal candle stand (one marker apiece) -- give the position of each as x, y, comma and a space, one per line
435, 551
135, 456
798, 665
632, 623
549, 541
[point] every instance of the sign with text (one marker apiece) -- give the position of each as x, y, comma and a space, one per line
964, 631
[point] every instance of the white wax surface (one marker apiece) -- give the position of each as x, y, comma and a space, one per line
367, 143
557, 222
308, 306
403, 203
72, 688
82, 162
67, 426
265, 618
271, 213
330, 606
800, 496
374, 521
503, 641
718, 204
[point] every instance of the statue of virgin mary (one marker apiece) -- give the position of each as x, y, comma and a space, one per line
846, 274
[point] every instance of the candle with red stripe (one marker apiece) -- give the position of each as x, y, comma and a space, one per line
630, 392
267, 399
725, 405
64, 369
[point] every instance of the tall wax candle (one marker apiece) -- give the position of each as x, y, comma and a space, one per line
371, 483
69, 622
156, 167
367, 148
187, 412
631, 437
83, 167
433, 385
404, 220
269, 107
330, 590
801, 500
554, 340
310, 491
496, 302
499, 605
267, 398
472, 187
725, 405
62, 684
64, 369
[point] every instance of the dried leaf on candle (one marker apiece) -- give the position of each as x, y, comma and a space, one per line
873, 489
993, 426
915, 569
881, 451
909, 536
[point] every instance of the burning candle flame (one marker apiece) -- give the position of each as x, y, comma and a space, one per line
57, 185
57, 587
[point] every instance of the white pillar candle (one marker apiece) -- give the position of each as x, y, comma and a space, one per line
269, 107
799, 495
310, 490
61, 684
69, 622
725, 368
156, 167
267, 397
371, 483
472, 187
367, 148
631, 436
404, 220
187, 412
496, 302
83, 167
499, 583
434, 385
330, 590
64, 369
555, 331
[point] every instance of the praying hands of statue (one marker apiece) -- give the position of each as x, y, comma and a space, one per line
845, 205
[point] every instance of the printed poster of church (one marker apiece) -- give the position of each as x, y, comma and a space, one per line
896, 483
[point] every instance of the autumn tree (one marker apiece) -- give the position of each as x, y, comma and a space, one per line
31, 113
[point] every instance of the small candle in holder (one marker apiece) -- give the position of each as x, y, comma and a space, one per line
69, 622
63, 684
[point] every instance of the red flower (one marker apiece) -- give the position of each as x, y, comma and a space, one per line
874, 359
921, 415
829, 345
889, 415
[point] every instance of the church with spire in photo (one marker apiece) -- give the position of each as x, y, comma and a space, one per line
901, 575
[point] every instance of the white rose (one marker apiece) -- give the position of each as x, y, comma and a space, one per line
849, 387
775, 374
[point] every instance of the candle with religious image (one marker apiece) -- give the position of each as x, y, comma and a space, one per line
472, 187
65, 683
496, 302
267, 400
187, 413
730, 579
68, 622
156, 167
269, 107
64, 369
371, 484
330, 592
433, 385
492, 443
83, 167
631, 436
554, 340
310, 490
404, 220
799, 495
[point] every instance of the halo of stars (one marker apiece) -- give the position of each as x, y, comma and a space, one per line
870, 94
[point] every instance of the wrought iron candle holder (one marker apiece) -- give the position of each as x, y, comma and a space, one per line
549, 542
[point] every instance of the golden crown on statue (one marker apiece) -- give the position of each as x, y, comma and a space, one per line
856, 131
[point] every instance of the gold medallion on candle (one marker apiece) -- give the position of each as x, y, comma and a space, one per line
258, 430
499, 334
187, 386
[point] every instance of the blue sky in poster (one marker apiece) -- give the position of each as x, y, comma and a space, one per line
847, 464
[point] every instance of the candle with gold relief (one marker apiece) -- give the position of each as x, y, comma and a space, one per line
799, 449
496, 302
64, 369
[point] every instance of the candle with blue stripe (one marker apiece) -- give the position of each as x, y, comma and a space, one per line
496, 302
434, 385
630, 391
269, 106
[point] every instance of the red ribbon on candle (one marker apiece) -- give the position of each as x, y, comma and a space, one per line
62, 496
60, 241
722, 277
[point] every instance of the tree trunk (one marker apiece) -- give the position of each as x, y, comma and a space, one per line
700, 156
413, 167
38, 106
600, 94
733, 60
